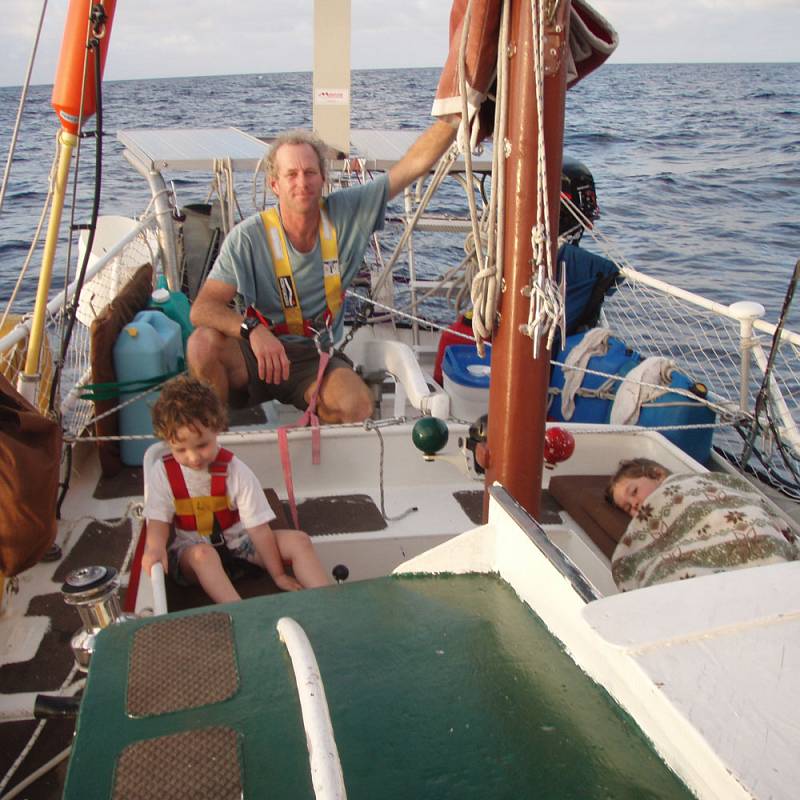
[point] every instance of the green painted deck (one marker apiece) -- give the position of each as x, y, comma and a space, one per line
438, 687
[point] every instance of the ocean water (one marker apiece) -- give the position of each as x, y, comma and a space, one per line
697, 166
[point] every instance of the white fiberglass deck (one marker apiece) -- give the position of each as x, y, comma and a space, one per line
725, 650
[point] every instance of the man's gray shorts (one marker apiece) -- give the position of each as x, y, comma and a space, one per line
304, 364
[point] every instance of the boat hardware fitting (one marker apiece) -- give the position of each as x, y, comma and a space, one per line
94, 591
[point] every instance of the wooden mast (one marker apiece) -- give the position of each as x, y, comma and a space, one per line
518, 393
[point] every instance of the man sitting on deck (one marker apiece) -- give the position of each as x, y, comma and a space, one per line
301, 256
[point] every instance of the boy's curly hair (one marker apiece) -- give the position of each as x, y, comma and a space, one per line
184, 402
634, 468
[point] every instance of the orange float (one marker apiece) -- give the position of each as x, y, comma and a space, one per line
78, 31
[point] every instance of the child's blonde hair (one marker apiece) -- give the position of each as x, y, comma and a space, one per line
186, 402
635, 468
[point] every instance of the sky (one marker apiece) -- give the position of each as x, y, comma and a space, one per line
154, 38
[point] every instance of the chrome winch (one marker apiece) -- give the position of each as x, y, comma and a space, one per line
94, 592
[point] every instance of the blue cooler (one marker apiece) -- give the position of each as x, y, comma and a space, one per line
466, 380
619, 361
677, 409
595, 397
147, 348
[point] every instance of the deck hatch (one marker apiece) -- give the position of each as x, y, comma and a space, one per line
182, 663
194, 765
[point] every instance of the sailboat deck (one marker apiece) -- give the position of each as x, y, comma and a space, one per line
468, 696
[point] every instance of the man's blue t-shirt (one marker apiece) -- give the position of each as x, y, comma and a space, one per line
245, 260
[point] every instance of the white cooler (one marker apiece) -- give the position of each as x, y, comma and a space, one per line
466, 380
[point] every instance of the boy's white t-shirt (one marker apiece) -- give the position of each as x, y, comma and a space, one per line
244, 493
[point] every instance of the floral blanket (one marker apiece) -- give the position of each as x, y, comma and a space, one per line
698, 524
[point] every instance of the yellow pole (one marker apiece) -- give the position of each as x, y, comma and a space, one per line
27, 386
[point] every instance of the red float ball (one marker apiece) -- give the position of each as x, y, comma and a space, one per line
559, 445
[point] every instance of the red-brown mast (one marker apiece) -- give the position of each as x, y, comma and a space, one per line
518, 392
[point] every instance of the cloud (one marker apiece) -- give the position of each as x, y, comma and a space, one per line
743, 5
153, 38
711, 30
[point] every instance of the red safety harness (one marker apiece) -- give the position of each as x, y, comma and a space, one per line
198, 513
311, 327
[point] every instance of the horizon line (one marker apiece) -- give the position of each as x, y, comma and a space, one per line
394, 69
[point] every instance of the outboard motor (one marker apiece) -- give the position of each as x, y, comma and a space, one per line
577, 185
94, 591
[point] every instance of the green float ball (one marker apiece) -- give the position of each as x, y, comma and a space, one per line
429, 435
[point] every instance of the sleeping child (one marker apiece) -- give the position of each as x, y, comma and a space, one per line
689, 524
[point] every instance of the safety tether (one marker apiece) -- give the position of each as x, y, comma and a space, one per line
309, 418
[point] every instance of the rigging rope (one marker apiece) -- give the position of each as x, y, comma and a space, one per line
35, 241
34, 736
485, 285
224, 187
442, 169
724, 411
374, 425
763, 393
547, 298
22, 98
467, 137
96, 22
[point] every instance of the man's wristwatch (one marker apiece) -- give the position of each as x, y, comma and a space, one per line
247, 326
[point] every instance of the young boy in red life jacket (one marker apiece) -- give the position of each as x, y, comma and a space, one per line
214, 500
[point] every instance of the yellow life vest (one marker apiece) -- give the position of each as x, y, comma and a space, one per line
290, 302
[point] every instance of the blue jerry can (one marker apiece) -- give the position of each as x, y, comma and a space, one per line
148, 347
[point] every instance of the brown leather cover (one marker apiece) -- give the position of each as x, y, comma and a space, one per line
583, 498
13, 362
30, 459
105, 329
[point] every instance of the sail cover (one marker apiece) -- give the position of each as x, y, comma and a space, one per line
591, 42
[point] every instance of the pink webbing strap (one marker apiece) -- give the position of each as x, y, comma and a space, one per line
309, 418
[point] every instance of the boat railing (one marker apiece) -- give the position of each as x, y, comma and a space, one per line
326, 768
725, 347
104, 277
721, 309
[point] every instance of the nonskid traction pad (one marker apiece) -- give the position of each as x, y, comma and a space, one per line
203, 764
180, 664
